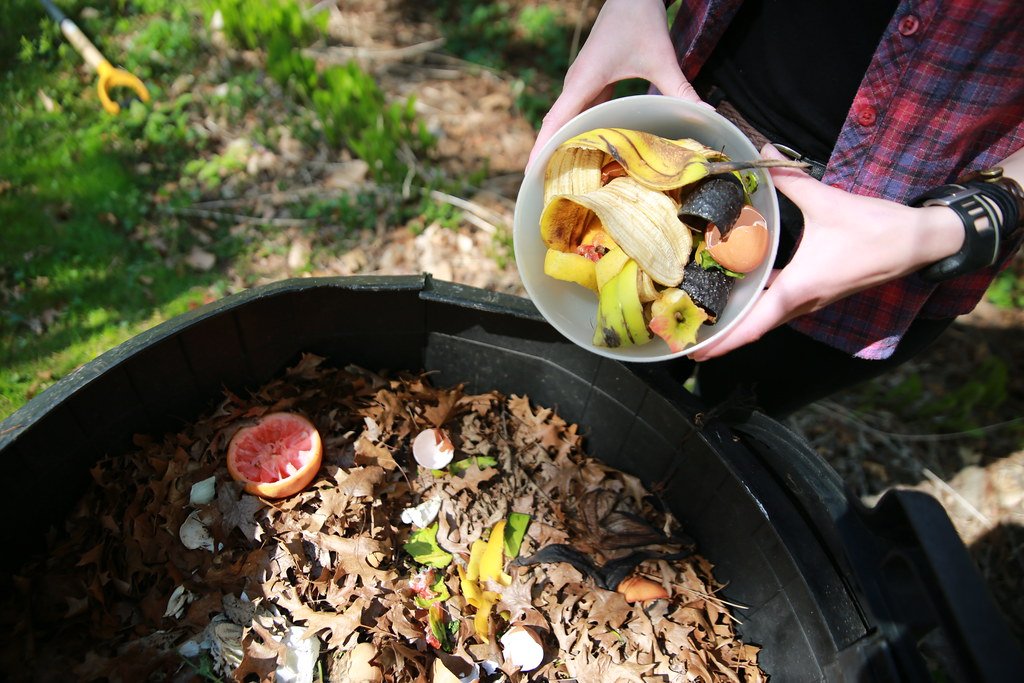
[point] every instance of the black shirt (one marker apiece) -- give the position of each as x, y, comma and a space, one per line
792, 67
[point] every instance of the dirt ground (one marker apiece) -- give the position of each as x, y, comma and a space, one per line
976, 474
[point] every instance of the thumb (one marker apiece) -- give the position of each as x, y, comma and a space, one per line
770, 311
669, 80
788, 181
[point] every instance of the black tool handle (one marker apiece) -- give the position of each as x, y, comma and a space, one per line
53, 11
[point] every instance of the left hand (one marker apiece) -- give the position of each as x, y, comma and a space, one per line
850, 243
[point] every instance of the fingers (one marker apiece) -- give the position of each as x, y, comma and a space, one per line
792, 182
770, 311
669, 80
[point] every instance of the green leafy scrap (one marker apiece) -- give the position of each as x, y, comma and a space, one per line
481, 461
515, 531
423, 548
441, 627
707, 262
440, 590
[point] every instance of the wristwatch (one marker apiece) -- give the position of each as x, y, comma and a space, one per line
991, 207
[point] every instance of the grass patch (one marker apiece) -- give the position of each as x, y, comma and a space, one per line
94, 249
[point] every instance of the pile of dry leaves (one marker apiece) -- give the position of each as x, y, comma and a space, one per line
366, 575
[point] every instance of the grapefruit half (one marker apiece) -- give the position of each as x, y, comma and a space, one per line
276, 457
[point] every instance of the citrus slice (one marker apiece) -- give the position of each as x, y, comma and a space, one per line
276, 457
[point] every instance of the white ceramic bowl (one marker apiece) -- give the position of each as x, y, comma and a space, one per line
572, 309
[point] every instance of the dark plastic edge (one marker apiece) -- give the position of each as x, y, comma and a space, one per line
55, 395
905, 563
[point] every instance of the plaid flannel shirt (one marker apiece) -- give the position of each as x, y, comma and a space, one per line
943, 94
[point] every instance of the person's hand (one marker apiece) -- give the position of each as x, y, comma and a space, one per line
629, 39
849, 243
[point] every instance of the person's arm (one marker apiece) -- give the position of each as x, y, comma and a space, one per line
850, 243
629, 39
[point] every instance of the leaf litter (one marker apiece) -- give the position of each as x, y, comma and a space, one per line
380, 567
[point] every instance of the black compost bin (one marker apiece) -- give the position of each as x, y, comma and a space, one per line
835, 592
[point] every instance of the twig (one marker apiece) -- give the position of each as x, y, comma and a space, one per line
346, 54
838, 411
478, 215
937, 480
222, 215
577, 33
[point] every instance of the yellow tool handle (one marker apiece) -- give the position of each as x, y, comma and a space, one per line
109, 75
92, 56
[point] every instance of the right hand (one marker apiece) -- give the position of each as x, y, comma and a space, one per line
629, 40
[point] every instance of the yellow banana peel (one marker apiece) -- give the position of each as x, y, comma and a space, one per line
620, 313
643, 223
655, 162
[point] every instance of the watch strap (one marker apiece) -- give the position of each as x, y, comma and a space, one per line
980, 218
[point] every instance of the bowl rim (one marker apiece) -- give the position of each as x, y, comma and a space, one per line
669, 106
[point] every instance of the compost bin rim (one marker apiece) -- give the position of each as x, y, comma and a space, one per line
429, 288
426, 289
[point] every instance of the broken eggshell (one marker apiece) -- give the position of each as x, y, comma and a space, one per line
179, 600
639, 589
422, 515
745, 246
358, 665
203, 492
194, 534
468, 672
433, 449
522, 648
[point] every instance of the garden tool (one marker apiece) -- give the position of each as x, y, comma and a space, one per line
109, 76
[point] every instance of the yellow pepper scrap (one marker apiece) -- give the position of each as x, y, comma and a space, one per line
485, 564
494, 556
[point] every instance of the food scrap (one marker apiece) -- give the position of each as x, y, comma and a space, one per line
626, 214
524, 560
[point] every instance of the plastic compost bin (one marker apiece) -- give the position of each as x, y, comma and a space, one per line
834, 591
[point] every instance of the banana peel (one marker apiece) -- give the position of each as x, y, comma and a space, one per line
571, 171
663, 163
643, 223
486, 559
609, 266
620, 313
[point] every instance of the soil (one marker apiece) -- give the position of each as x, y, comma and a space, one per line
916, 428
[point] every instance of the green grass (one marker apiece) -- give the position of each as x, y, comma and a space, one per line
91, 249
92, 252
73, 279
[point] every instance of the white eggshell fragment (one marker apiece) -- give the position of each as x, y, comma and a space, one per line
302, 653
203, 492
522, 648
440, 673
422, 515
194, 534
433, 449
177, 603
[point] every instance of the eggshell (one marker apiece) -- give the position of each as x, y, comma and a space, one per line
746, 245
433, 449
521, 647
639, 589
